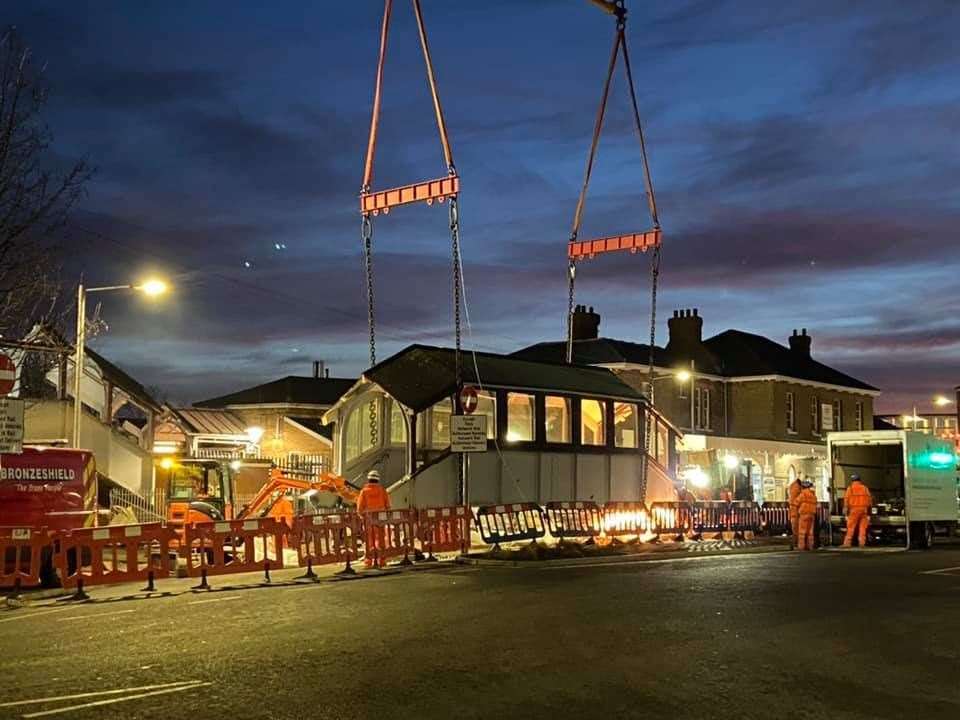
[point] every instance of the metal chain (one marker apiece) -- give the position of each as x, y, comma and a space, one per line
457, 285
571, 280
654, 281
366, 233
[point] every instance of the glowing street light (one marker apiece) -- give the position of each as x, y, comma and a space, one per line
682, 376
151, 287
942, 401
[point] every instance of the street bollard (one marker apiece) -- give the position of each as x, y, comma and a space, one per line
309, 574
348, 570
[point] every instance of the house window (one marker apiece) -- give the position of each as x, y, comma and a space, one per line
440, 424
838, 415
815, 415
398, 424
557, 419
592, 422
359, 430
791, 412
663, 438
520, 414
626, 426
701, 408
859, 415
487, 406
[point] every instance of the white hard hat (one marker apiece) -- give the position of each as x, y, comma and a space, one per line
374, 475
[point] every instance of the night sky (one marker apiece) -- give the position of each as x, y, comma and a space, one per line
805, 156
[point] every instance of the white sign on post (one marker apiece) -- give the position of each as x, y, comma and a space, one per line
826, 415
468, 433
11, 425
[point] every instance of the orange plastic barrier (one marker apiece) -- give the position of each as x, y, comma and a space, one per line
671, 518
623, 519
444, 529
326, 538
113, 554
234, 546
387, 534
21, 552
582, 518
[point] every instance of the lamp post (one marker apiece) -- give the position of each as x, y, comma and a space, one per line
150, 287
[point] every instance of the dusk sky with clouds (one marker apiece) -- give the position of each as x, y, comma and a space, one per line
805, 157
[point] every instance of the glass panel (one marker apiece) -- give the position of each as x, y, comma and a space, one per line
352, 434
625, 425
520, 414
398, 425
663, 437
487, 406
440, 424
592, 430
557, 419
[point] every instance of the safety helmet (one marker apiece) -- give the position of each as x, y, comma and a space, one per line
807, 483
855, 476
373, 476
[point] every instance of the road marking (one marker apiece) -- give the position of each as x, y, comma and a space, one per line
223, 599
95, 615
111, 701
941, 571
35, 614
78, 696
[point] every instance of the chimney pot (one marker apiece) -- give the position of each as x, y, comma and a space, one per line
586, 323
800, 344
685, 329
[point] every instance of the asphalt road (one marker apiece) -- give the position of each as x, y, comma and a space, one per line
825, 635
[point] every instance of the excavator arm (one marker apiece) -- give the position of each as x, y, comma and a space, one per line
279, 484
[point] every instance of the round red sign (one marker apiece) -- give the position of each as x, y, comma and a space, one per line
8, 374
468, 399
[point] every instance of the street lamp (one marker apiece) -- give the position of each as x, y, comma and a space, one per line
682, 377
942, 401
152, 288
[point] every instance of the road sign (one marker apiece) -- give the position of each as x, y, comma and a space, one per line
468, 399
8, 374
11, 425
468, 433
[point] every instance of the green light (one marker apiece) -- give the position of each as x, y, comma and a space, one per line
941, 460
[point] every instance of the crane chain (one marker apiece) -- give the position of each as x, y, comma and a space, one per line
457, 302
571, 280
654, 280
366, 233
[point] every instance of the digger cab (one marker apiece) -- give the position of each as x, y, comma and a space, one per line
197, 491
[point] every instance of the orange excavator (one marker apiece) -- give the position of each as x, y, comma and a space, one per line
199, 490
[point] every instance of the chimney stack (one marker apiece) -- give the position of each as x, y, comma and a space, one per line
586, 323
800, 344
685, 329
318, 369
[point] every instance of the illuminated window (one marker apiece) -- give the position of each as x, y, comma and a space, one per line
440, 424
557, 419
520, 414
663, 439
487, 406
592, 422
626, 427
398, 425
791, 412
358, 429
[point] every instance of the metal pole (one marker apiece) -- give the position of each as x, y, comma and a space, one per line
693, 384
78, 362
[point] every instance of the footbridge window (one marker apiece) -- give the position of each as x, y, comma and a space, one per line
593, 422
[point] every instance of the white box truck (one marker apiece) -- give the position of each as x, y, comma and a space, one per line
912, 477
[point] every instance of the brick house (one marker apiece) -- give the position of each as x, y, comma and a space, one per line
750, 408
286, 414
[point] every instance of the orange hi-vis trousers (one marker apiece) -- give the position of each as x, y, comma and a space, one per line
375, 545
857, 520
795, 524
805, 532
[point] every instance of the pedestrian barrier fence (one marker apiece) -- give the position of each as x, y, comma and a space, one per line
233, 546
624, 519
387, 534
113, 554
671, 518
21, 550
508, 523
775, 518
326, 538
711, 517
574, 519
444, 529
744, 517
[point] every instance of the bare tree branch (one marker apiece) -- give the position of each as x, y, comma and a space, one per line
35, 196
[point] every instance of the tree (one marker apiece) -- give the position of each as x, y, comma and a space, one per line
36, 196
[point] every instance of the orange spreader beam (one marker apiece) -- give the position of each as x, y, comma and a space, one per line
428, 192
578, 250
